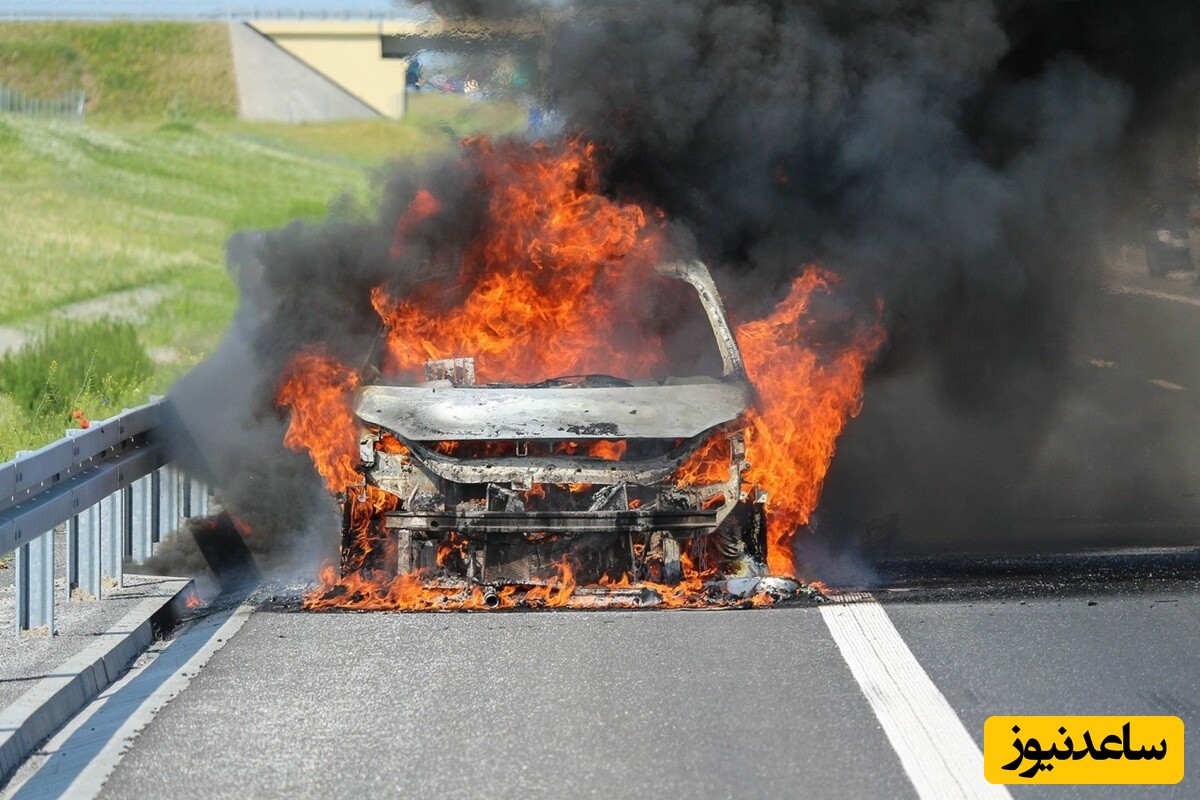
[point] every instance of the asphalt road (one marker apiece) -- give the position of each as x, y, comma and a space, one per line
621, 704
694, 704
1129, 654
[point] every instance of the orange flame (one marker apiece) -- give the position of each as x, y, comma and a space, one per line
453, 545
608, 451
319, 391
389, 444
358, 591
709, 464
806, 394
543, 283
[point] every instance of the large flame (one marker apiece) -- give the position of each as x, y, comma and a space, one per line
319, 390
544, 290
806, 393
546, 286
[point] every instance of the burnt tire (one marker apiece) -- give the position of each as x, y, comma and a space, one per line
744, 531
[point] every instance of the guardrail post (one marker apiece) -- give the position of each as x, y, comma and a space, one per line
197, 498
156, 506
140, 533
171, 504
111, 545
87, 562
35, 585
101, 549
72, 555
126, 509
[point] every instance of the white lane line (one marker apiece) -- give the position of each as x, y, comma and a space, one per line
935, 749
1120, 288
81, 756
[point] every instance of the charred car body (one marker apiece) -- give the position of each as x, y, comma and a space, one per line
497, 484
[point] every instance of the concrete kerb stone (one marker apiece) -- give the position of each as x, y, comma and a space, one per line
56, 698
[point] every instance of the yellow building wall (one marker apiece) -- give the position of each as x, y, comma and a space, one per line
348, 53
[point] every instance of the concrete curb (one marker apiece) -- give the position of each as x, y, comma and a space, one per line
43, 709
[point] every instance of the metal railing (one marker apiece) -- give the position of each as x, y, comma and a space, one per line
117, 497
71, 105
186, 12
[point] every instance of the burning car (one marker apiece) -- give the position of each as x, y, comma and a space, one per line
501, 484
557, 411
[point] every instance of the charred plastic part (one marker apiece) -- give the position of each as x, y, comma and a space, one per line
777, 588
225, 552
672, 564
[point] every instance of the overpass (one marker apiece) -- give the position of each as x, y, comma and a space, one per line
303, 70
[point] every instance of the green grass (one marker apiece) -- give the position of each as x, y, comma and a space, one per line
50, 376
88, 212
433, 122
44, 69
127, 70
91, 213
73, 372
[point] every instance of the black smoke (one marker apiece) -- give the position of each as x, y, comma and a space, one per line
963, 160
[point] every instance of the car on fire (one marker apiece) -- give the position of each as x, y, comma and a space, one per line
497, 484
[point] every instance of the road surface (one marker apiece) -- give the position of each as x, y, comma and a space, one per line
757, 703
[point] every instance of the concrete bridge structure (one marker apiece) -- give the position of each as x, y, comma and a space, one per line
307, 70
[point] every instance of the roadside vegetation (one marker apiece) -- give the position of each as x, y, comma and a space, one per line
114, 231
127, 70
69, 367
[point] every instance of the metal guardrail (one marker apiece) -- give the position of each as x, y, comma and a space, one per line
110, 486
71, 105
181, 12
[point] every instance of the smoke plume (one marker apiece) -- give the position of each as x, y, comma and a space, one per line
962, 160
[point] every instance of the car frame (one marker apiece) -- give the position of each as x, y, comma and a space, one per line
499, 484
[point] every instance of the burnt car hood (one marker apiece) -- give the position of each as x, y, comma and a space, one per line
680, 410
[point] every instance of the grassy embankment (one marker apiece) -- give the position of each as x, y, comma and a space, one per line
127, 216
128, 70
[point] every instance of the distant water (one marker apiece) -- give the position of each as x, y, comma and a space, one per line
101, 9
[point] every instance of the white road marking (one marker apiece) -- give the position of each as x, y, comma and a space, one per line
81, 756
1120, 288
938, 754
